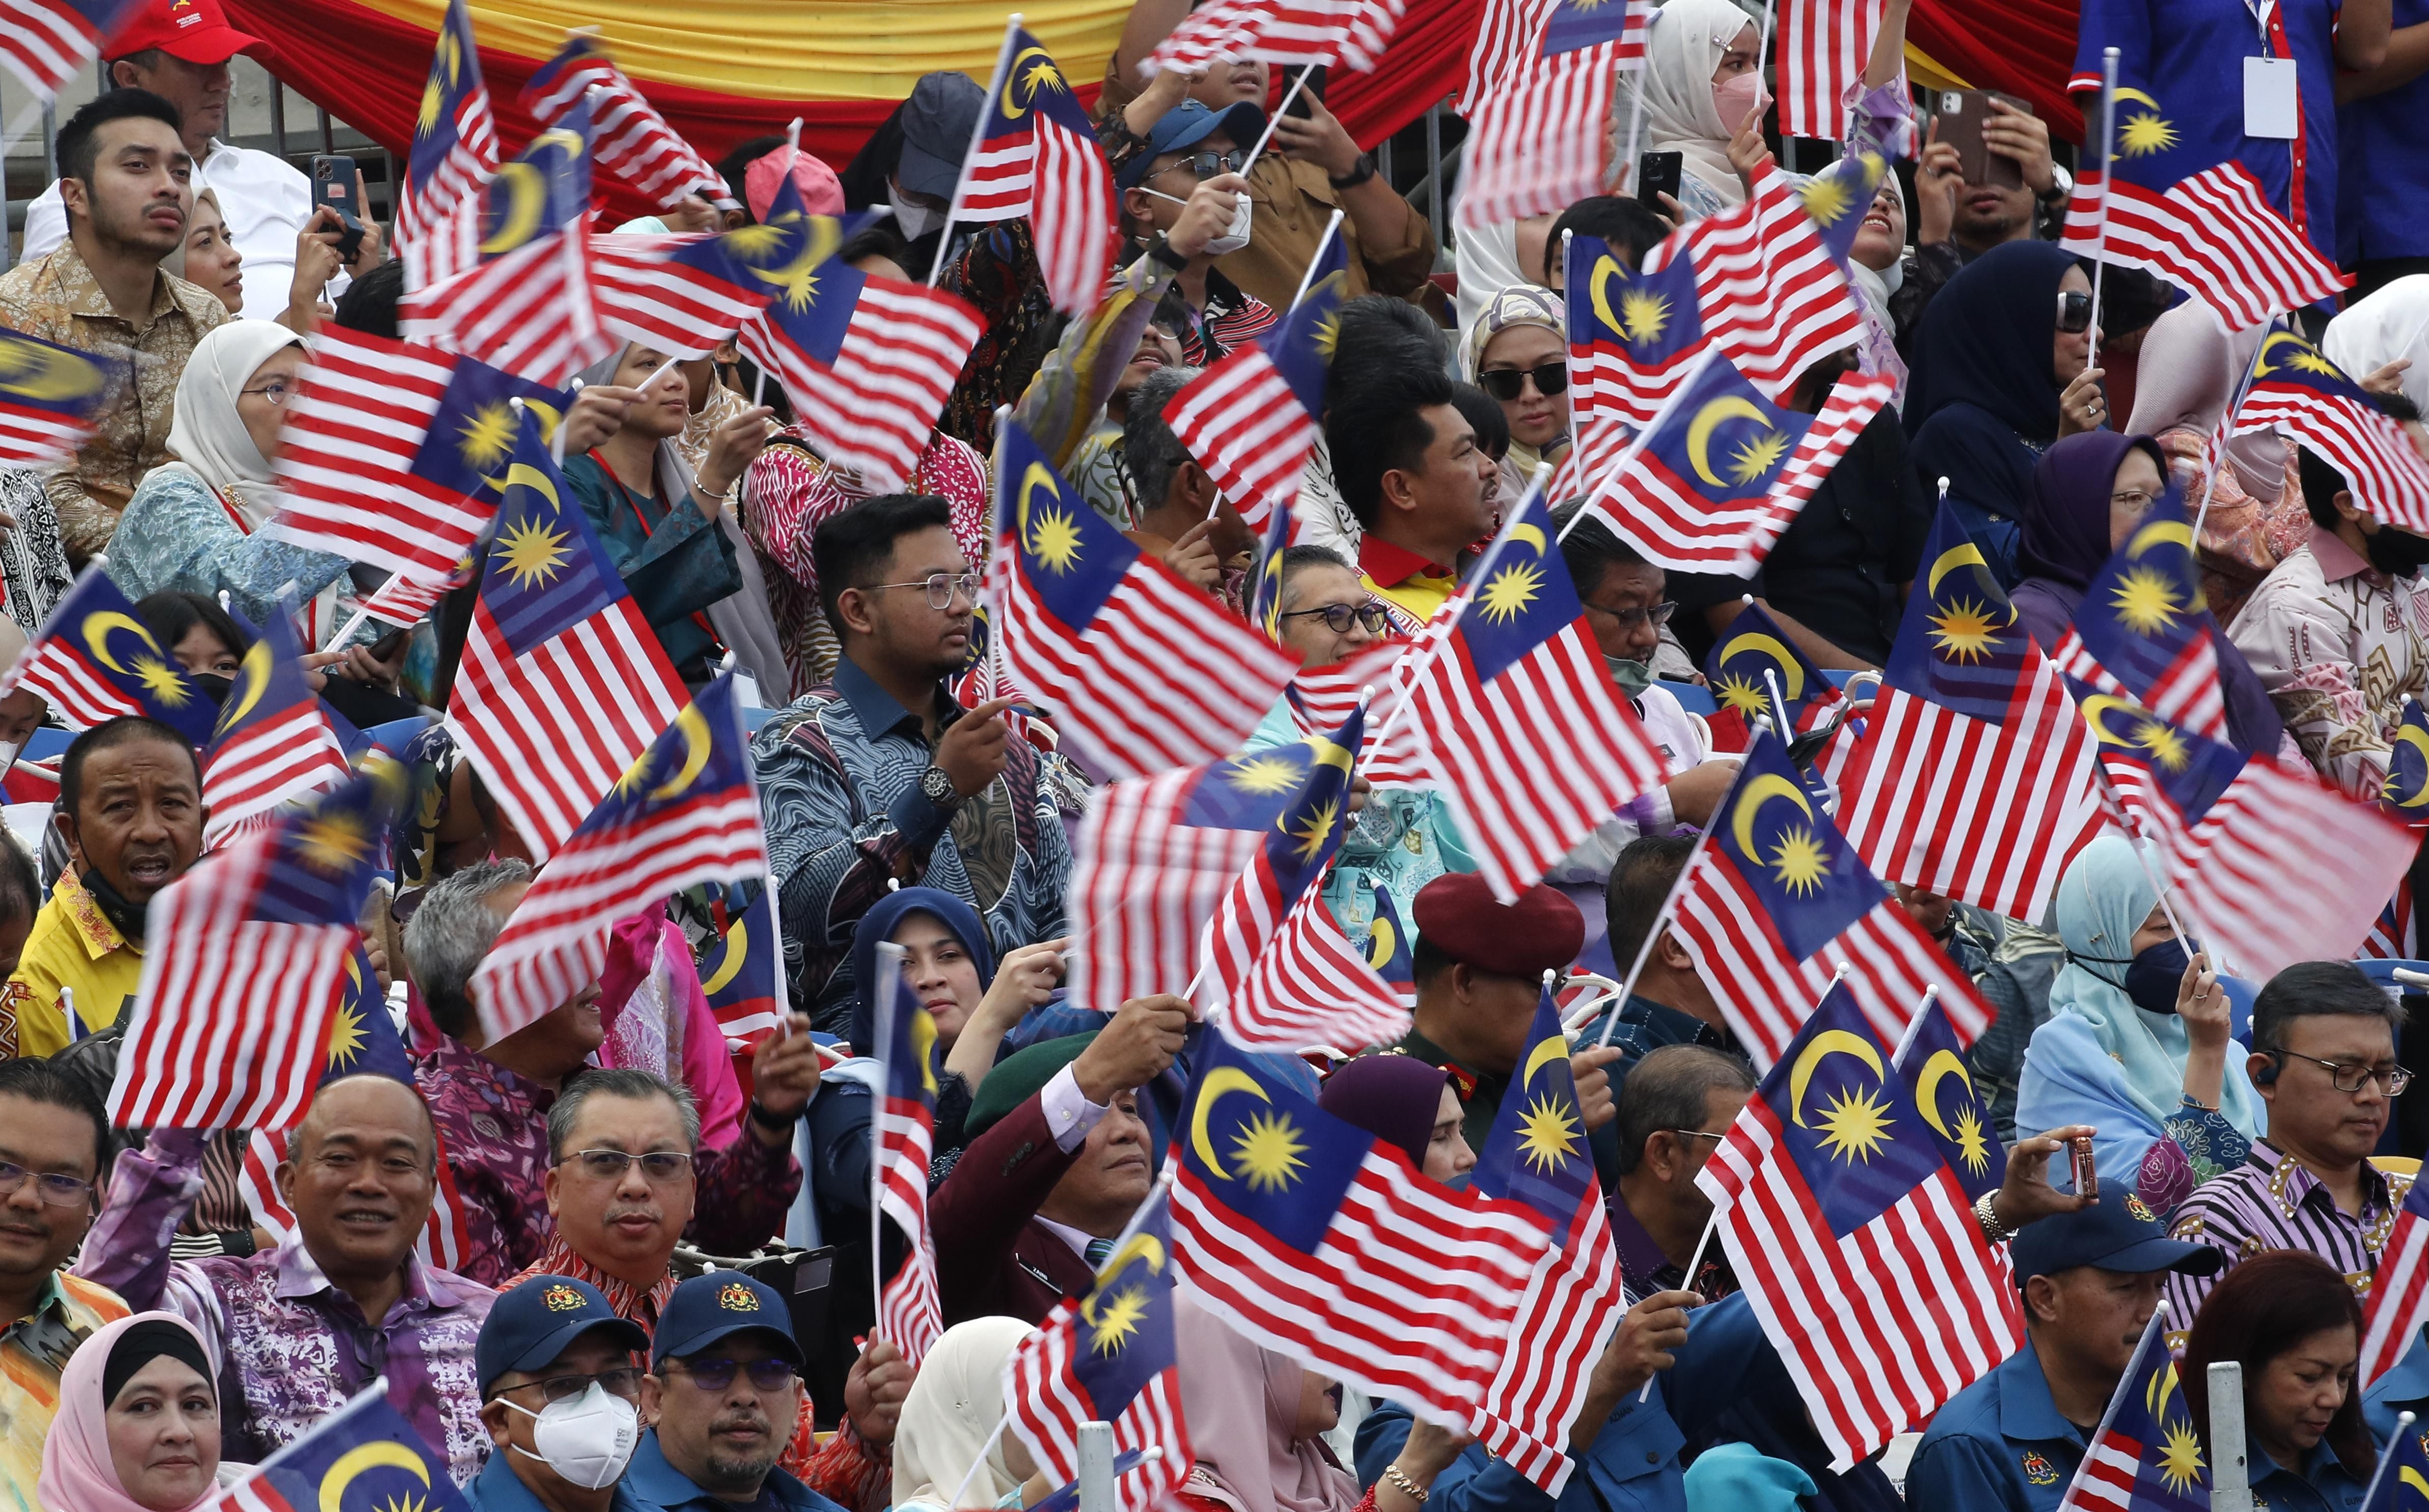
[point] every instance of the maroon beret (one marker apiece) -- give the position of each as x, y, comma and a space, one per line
1456, 913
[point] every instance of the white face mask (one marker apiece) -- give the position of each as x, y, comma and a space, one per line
913, 220
586, 1438
1230, 241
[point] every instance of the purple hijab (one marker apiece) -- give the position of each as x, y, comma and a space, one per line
2065, 536
1393, 1097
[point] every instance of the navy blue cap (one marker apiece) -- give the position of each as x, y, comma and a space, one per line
1188, 123
709, 1307
532, 1324
938, 121
2118, 1233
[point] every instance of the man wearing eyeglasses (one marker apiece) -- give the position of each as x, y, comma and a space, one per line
725, 1392
1189, 146
561, 1396
1182, 516
2323, 1059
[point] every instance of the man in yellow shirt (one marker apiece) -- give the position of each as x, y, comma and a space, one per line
50, 1157
1408, 468
131, 812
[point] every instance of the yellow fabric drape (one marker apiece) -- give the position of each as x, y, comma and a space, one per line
790, 49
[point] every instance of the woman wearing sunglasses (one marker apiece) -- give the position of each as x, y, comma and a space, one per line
1515, 350
2001, 369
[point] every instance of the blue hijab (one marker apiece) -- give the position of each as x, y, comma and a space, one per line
877, 925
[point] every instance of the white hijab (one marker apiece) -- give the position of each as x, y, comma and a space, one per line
954, 1402
1684, 45
207, 436
2392, 324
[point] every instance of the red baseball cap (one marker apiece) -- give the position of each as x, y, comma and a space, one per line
194, 30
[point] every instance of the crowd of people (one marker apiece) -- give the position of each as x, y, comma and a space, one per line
664, 1293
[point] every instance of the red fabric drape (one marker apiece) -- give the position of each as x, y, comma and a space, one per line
367, 69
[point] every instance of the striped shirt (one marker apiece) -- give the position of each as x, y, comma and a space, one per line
2271, 1203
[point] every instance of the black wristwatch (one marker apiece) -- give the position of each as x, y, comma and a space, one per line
938, 789
769, 1121
1165, 252
1359, 174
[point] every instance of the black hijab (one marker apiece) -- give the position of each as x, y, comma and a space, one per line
1985, 340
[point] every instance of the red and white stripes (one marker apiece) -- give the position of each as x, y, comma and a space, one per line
1824, 48
876, 405
2216, 234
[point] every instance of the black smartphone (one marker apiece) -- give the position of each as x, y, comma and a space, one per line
333, 185
1656, 174
1298, 102
387, 645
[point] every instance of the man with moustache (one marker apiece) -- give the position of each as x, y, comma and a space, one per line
725, 1393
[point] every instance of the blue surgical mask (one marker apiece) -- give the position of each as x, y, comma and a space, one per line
2156, 973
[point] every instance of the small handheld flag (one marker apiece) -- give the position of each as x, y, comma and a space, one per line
364, 1457
909, 1312
455, 152
93, 660
48, 393
2146, 1456
1037, 157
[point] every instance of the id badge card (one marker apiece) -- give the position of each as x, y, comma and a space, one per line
2272, 98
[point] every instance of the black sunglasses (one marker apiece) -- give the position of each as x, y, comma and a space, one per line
1506, 383
2073, 312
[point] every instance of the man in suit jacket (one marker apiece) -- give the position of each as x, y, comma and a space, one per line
1059, 1160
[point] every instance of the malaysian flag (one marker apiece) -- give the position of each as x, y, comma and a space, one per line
2142, 631
1977, 780
454, 153
1744, 662
2220, 824
45, 42
2398, 1304
49, 393
910, 1316
2185, 208
231, 1023
1720, 472
1539, 136
395, 453
1145, 672
2292, 387
1856, 1244
2401, 1483
93, 660
1322, 1242
684, 813
1503, 33
1387, 947
527, 305
1155, 858
1286, 976
687, 295
1265, 590
867, 362
1037, 158
1110, 1357
364, 1455
1932, 1063
563, 684
1521, 728
1310, 33
1251, 419
2406, 791
1824, 48
1777, 898
275, 741
629, 138
363, 1041
2146, 1456
407, 599
737, 972
1537, 1154
1377, 679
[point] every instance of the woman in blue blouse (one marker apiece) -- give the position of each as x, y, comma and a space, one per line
2293, 1324
658, 521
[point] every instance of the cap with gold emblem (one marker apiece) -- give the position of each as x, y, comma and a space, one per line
530, 1325
713, 1307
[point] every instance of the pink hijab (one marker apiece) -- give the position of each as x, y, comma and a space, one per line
1241, 1402
76, 1469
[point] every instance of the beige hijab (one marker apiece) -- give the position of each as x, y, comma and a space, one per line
1684, 45
955, 1402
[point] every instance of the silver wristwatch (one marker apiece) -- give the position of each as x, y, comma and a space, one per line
938, 789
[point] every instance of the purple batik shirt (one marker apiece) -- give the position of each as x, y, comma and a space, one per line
494, 1126
287, 1347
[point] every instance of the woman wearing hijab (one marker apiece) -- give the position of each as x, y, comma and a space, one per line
2382, 342
2000, 372
951, 1423
2136, 1044
1702, 81
194, 519
2088, 493
1517, 351
139, 1422
1256, 1420
2250, 504
1409, 1104
665, 524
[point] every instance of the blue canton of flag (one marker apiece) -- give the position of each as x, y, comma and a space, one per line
1300, 344
1933, 1065
363, 1039
2146, 756
547, 571
737, 973
442, 127
323, 860
1754, 653
1265, 599
1959, 643
1387, 947
2407, 789
1720, 442
1304, 837
815, 293
1849, 1124
365, 1458
473, 433
93, 660
1839, 196
1536, 1153
2147, 1453
1648, 321
1522, 597
49, 395
1795, 862
1577, 24
2402, 1483
2141, 630
1071, 557
544, 191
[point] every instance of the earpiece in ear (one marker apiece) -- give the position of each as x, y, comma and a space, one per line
2267, 1073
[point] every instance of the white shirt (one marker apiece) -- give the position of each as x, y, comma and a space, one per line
266, 202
